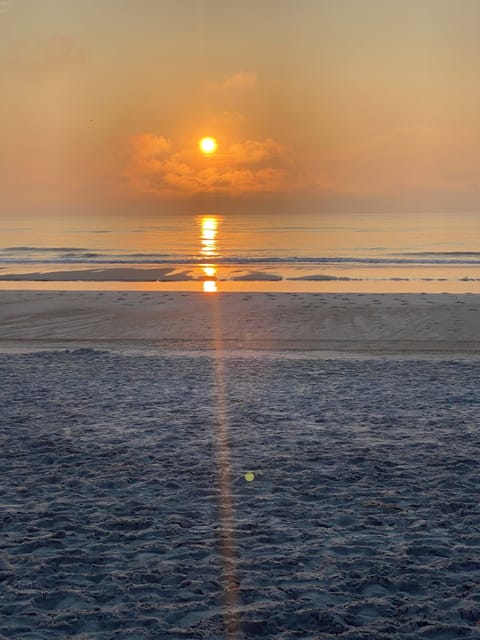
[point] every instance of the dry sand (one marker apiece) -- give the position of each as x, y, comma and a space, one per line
125, 511
398, 323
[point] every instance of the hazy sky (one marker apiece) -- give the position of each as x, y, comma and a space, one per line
316, 105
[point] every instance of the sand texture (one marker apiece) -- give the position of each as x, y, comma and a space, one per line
129, 420
339, 322
362, 522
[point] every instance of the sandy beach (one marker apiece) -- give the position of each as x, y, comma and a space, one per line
239, 320
239, 465
386, 323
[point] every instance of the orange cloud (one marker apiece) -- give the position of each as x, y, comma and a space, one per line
402, 160
252, 166
150, 151
255, 151
242, 81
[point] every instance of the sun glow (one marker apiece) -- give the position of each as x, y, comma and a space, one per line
208, 145
209, 271
209, 237
209, 286
209, 251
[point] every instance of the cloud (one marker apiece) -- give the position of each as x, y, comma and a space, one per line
255, 151
242, 81
402, 161
153, 166
151, 146
227, 120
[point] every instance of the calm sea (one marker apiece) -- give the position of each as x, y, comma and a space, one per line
215, 252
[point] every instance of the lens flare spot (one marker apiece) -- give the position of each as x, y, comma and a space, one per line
249, 476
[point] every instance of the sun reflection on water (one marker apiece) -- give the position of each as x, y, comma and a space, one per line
209, 251
209, 286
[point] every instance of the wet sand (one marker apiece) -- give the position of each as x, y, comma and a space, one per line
390, 323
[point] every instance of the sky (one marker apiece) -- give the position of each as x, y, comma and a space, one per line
317, 105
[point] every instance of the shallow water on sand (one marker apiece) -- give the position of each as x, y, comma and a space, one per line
295, 252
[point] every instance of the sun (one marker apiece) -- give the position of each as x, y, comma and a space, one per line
208, 145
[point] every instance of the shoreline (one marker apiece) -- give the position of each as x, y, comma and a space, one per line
346, 285
340, 323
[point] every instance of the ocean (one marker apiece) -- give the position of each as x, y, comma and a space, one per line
221, 252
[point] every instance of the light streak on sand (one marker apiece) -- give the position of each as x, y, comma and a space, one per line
224, 469
208, 238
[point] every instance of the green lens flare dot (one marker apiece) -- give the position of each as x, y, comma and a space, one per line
249, 476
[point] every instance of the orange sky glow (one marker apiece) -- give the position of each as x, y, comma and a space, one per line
315, 105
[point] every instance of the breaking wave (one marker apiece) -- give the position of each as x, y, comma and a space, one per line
72, 255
